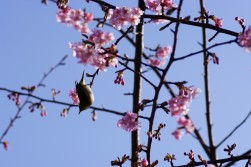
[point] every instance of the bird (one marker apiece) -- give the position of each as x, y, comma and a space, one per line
85, 94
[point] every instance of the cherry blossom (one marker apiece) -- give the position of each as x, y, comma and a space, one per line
178, 134
129, 122
156, 62
88, 17
163, 52
144, 163
15, 97
76, 18
218, 23
160, 57
43, 113
187, 123
6, 145
179, 105
156, 5
244, 39
120, 17
74, 96
98, 58
100, 38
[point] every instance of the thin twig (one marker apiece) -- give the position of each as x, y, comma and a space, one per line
232, 159
232, 132
247, 153
162, 78
65, 103
197, 24
201, 51
40, 83
212, 154
138, 73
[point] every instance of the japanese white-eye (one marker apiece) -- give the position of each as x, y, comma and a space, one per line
85, 95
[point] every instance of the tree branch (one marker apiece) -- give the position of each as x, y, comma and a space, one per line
221, 161
232, 132
40, 83
212, 154
187, 22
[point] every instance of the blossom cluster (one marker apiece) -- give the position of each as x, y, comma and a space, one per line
218, 22
15, 97
76, 18
74, 96
160, 57
244, 39
129, 122
178, 107
96, 57
119, 79
157, 5
120, 17
100, 38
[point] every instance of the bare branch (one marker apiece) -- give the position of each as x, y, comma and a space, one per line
221, 161
17, 115
232, 132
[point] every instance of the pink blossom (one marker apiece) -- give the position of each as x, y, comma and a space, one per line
244, 39
179, 105
74, 96
88, 17
120, 17
187, 123
178, 134
218, 22
144, 163
87, 54
129, 122
74, 18
169, 4
15, 97
83, 52
155, 5
6, 145
100, 38
156, 62
102, 61
163, 52
43, 113
160, 56
159, 21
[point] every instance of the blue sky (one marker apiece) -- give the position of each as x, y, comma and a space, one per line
32, 41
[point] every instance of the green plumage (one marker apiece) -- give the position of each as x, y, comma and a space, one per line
85, 95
